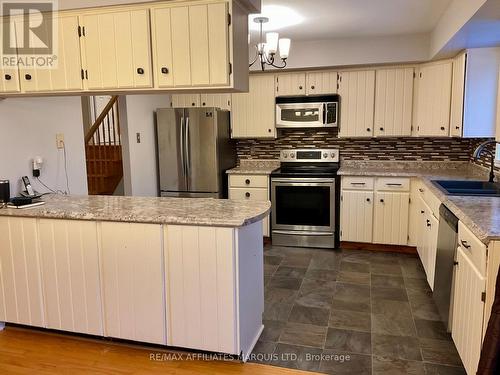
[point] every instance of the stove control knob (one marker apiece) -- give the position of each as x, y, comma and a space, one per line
292, 156
285, 155
332, 154
325, 155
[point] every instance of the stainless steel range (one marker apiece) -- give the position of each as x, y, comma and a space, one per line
305, 195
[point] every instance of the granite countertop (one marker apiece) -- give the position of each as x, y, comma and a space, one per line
181, 211
255, 166
480, 214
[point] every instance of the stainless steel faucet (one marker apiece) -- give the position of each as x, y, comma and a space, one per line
479, 151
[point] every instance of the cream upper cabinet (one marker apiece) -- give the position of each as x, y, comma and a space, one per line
289, 84
321, 83
357, 95
393, 102
222, 101
434, 99
457, 95
69, 253
356, 223
9, 76
191, 45
66, 75
117, 49
185, 100
253, 113
390, 224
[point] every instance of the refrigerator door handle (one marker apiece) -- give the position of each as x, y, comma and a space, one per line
183, 158
187, 151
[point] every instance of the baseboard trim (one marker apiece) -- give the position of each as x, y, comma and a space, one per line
378, 247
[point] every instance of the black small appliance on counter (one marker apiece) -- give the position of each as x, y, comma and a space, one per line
4, 191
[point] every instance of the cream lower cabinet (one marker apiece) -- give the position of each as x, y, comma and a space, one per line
21, 299
390, 223
117, 49
253, 113
356, 223
254, 188
468, 310
69, 254
132, 267
215, 288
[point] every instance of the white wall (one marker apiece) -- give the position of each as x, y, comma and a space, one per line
28, 128
137, 115
356, 51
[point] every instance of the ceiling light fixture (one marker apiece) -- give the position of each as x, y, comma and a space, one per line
265, 52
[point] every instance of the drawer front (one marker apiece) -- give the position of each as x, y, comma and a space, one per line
430, 199
472, 247
358, 183
392, 184
248, 181
255, 194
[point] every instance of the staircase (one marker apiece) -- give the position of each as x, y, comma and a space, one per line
104, 151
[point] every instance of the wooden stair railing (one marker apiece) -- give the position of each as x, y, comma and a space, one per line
104, 151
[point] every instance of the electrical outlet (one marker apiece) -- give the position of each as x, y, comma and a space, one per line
60, 141
138, 137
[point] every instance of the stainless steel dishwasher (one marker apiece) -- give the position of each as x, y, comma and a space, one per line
445, 264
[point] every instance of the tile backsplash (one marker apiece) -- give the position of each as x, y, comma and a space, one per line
447, 149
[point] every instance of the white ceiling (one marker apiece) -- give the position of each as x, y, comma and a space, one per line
331, 19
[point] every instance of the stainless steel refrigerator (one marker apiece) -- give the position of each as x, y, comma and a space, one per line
194, 151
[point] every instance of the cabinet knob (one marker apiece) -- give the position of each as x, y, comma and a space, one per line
247, 181
381, 201
465, 244
313, 87
140, 71
203, 104
269, 130
455, 263
164, 70
368, 130
28, 77
193, 104
300, 87
8, 77
247, 194
368, 199
457, 127
442, 128
381, 129
422, 211
428, 222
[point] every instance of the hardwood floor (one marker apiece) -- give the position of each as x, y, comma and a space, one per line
26, 351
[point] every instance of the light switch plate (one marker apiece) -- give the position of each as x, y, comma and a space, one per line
60, 140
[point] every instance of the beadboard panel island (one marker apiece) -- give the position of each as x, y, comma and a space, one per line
178, 272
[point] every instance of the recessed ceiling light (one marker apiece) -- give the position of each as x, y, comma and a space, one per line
279, 17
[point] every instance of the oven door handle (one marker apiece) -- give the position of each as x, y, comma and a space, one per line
303, 180
295, 232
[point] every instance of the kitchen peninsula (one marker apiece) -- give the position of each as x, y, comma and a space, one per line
178, 272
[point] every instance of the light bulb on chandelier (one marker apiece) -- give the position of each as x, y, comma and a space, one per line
265, 52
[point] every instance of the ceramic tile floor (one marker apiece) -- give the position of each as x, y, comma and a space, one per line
351, 312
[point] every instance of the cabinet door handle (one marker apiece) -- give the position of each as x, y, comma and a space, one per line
8, 77
140, 71
393, 184
428, 222
358, 183
465, 244
164, 70
28, 77
247, 194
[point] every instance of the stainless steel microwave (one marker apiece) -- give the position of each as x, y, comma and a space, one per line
307, 111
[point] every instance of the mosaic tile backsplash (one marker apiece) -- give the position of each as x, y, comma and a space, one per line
434, 149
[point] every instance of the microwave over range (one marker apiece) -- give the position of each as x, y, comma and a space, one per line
307, 111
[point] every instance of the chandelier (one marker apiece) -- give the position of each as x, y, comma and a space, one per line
265, 53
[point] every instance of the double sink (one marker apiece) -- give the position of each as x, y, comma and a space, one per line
469, 188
